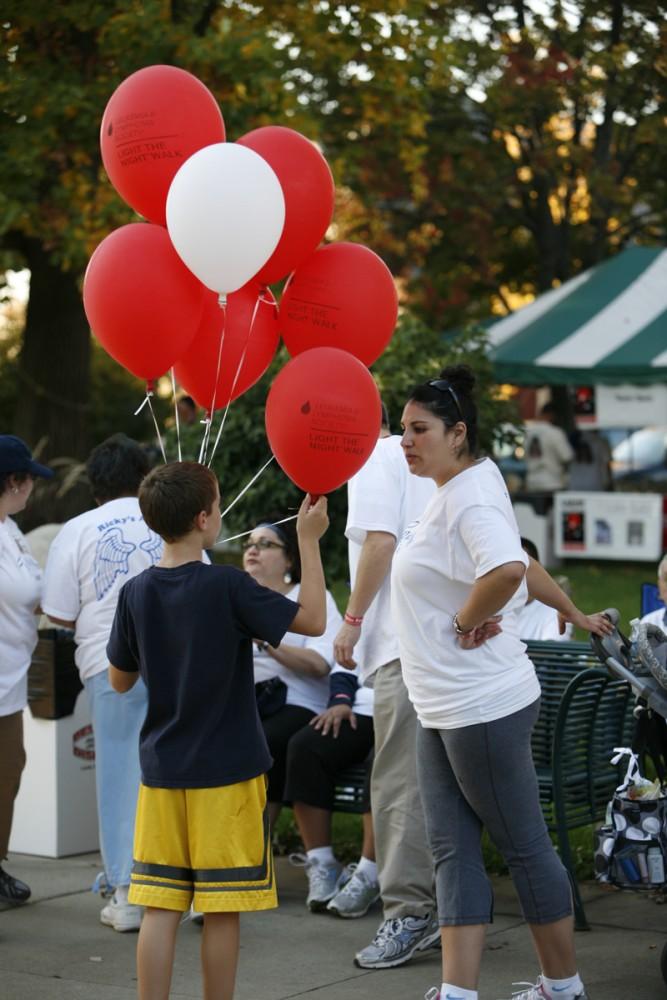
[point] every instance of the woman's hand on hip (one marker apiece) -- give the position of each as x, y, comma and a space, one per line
481, 633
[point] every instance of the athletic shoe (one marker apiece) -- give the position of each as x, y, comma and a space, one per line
324, 881
397, 941
433, 994
194, 916
538, 991
13, 891
357, 895
120, 914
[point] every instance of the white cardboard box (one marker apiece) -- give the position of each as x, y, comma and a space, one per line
55, 813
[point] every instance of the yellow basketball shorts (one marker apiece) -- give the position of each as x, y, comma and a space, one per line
206, 846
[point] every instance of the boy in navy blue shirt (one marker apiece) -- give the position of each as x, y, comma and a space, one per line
202, 832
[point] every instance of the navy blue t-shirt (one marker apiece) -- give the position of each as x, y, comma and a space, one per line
189, 631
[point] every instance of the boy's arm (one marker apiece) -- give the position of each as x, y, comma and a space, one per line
121, 680
312, 522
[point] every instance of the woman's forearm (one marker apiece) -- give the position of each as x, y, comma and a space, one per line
306, 662
544, 588
489, 594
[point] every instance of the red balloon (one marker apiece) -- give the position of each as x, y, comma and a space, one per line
156, 119
308, 188
196, 370
322, 418
343, 296
142, 303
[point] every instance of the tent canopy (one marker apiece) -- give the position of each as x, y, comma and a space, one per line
607, 325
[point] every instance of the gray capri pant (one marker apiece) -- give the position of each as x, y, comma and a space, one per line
483, 776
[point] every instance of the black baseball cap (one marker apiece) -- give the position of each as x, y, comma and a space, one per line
15, 456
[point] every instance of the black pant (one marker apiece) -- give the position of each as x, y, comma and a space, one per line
279, 729
313, 760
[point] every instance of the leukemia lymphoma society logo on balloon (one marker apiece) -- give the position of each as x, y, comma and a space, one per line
322, 418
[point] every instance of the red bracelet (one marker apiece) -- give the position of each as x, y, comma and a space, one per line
353, 619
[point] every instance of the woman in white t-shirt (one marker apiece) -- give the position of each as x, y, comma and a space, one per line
20, 592
459, 578
300, 664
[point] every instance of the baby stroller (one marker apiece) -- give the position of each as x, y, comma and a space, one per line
632, 851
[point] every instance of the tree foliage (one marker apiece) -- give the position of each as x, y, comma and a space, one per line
483, 148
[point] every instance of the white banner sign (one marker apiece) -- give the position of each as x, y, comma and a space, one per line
608, 526
630, 406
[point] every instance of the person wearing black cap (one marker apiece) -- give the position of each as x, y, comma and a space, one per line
20, 587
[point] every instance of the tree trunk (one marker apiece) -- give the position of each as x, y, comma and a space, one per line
54, 365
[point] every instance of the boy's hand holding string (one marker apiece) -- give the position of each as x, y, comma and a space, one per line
311, 523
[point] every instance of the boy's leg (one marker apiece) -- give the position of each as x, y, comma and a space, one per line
155, 953
219, 955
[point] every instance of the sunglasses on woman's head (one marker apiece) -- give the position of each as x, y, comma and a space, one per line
442, 385
261, 543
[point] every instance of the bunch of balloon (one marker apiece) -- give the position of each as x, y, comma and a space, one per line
187, 289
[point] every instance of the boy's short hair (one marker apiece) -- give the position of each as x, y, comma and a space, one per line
116, 467
171, 496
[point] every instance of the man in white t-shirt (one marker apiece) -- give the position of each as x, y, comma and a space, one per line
659, 616
548, 454
91, 558
383, 500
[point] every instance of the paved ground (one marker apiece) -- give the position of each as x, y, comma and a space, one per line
55, 948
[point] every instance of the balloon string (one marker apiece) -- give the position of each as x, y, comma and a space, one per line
247, 486
233, 538
207, 430
178, 425
157, 429
260, 299
138, 411
222, 302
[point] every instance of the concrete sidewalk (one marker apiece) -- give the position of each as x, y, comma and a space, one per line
55, 948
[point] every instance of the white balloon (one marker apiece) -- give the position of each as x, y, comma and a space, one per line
225, 214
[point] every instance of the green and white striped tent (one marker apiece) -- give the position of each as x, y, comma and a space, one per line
607, 325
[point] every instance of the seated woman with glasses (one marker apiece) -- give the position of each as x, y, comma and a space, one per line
291, 680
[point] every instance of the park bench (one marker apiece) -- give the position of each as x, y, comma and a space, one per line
584, 714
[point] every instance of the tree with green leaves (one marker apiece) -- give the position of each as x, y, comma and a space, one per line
482, 148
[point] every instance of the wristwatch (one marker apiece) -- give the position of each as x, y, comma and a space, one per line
457, 626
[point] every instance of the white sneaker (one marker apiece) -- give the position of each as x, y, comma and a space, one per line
357, 895
538, 991
119, 913
324, 881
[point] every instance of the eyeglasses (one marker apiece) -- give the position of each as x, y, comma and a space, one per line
442, 385
261, 543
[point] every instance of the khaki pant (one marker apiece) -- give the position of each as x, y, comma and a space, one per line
405, 866
12, 762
